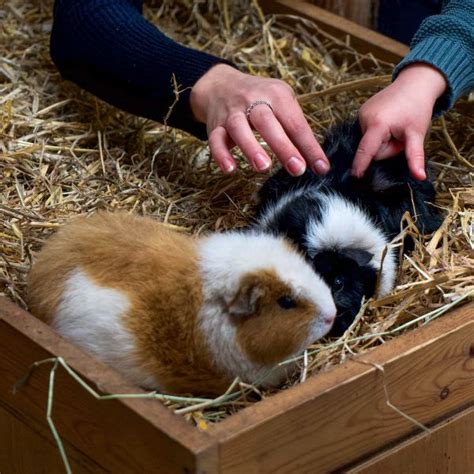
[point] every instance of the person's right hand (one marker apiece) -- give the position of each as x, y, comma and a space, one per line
398, 117
220, 99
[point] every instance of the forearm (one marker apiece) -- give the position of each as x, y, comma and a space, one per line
446, 42
108, 48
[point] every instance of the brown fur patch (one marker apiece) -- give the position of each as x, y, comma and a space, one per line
158, 270
272, 333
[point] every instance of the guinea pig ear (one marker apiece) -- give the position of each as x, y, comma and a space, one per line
246, 299
361, 257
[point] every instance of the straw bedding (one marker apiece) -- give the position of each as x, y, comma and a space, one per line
64, 153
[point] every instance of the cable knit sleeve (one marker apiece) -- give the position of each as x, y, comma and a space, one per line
108, 48
446, 41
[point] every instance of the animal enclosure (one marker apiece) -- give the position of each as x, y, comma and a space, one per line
406, 394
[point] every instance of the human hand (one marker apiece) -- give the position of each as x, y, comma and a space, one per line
220, 99
398, 118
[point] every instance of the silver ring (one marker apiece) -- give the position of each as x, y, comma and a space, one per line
254, 104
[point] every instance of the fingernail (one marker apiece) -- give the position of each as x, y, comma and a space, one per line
261, 162
422, 173
321, 167
227, 166
295, 166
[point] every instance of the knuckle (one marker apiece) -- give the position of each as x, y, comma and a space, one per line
296, 127
284, 149
377, 122
363, 152
279, 88
214, 136
213, 142
233, 121
372, 119
314, 151
215, 152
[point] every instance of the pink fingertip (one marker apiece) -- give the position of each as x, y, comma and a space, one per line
261, 162
321, 167
295, 166
421, 174
227, 166
357, 173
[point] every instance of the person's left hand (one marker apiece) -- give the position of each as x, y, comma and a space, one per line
397, 118
220, 99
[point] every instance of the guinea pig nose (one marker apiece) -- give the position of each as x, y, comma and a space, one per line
329, 315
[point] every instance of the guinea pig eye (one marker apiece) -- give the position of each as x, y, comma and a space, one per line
286, 302
338, 283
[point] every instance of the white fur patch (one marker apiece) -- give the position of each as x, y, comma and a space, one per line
345, 225
91, 317
224, 259
272, 211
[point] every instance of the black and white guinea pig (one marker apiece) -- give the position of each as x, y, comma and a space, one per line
343, 224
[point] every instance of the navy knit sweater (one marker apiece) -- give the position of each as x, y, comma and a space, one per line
446, 41
108, 48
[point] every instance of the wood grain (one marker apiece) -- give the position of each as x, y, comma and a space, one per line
26, 451
362, 39
340, 416
120, 435
449, 449
360, 11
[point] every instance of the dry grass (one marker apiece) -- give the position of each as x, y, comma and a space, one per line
64, 153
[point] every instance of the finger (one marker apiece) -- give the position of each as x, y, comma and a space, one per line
389, 149
239, 130
219, 144
265, 122
368, 147
300, 133
415, 155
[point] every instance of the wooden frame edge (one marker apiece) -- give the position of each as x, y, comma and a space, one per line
343, 374
366, 465
109, 381
364, 40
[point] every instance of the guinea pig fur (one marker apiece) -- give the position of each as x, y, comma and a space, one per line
363, 215
341, 241
385, 192
177, 313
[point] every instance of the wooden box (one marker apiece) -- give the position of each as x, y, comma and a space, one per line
340, 420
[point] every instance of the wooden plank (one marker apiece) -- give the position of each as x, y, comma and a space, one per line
361, 11
120, 435
449, 449
340, 416
25, 451
362, 39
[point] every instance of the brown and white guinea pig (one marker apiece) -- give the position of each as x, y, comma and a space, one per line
343, 224
177, 313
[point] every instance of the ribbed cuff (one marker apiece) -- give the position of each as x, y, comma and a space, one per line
191, 65
451, 60
108, 48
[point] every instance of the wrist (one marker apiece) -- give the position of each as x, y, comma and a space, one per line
206, 87
424, 79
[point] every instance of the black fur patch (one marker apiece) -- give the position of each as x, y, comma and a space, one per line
358, 281
386, 192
